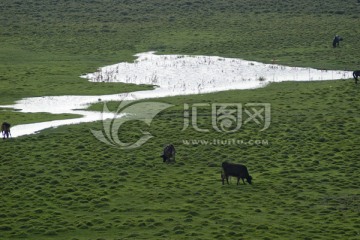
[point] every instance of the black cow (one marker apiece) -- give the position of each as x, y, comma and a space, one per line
336, 41
5, 129
356, 74
235, 170
169, 153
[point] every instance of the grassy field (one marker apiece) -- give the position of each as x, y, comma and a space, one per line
47, 45
65, 184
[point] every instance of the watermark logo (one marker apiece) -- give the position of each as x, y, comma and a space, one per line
128, 111
226, 142
260, 113
225, 118
229, 117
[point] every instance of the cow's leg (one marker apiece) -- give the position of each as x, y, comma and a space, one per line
227, 179
243, 180
355, 76
238, 179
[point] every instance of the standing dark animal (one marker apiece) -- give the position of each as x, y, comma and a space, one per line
223, 177
356, 74
169, 153
5, 129
235, 170
336, 41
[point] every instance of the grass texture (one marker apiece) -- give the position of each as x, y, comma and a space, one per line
47, 45
65, 184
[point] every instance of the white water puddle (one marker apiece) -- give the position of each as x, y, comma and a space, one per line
173, 75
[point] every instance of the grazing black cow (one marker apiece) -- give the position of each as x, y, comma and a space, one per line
5, 129
169, 153
336, 41
356, 74
235, 170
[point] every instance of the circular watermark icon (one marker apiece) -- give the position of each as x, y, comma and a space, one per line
128, 111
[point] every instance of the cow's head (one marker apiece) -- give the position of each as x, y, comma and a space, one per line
224, 164
248, 179
163, 157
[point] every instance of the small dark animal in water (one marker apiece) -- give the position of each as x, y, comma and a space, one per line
356, 74
5, 129
336, 41
169, 153
235, 170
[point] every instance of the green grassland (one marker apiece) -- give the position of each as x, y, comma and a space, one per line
47, 45
17, 118
66, 184
63, 183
